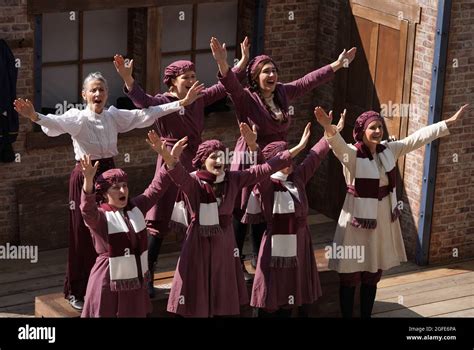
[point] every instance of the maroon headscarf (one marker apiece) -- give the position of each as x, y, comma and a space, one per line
273, 148
362, 122
204, 151
109, 178
177, 68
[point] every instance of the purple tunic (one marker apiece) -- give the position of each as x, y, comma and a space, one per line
100, 301
251, 110
274, 288
208, 280
172, 128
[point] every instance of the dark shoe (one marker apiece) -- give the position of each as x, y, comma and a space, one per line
76, 303
151, 289
346, 300
367, 299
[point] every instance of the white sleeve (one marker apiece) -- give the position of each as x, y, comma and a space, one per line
418, 139
141, 118
346, 154
67, 123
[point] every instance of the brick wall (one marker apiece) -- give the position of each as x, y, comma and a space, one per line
290, 39
453, 216
420, 92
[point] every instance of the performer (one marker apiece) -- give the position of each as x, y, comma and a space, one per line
93, 131
369, 216
179, 76
208, 280
117, 285
287, 275
265, 103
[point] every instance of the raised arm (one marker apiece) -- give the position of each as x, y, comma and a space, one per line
345, 153
52, 124
127, 120
93, 218
313, 160
426, 134
260, 172
218, 91
319, 76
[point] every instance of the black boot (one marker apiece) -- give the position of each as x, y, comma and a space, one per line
150, 284
346, 300
367, 299
284, 313
304, 310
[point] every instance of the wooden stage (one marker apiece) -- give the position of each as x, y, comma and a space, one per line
29, 290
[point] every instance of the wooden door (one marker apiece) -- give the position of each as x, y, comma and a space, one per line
379, 78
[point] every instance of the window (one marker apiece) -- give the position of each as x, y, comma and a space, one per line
75, 44
186, 32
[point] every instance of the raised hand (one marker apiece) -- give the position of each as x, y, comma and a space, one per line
124, 70
245, 50
88, 170
249, 135
325, 121
26, 109
346, 57
458, 115
179, 147
193, 94
219, 52
305, 136
340, 124
322, 118
303, 142
156, 143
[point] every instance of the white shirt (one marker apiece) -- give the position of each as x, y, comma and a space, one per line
96, 134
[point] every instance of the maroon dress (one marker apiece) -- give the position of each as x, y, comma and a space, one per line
100, 300
208, 280
276, 287
172, 128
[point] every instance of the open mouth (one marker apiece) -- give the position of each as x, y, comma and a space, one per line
98, 102
218, 167
122, 198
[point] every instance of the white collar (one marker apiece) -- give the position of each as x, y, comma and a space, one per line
279, 176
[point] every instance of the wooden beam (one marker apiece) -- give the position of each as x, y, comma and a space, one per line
153, 49
36, 7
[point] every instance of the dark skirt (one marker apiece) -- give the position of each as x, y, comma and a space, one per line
81, 253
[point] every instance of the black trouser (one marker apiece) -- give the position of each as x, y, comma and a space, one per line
154, 246
240, 231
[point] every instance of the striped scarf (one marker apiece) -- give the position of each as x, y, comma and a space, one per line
283, 233
208, 207
124, 262
366, 190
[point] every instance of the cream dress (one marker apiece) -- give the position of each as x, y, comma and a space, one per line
383, 246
